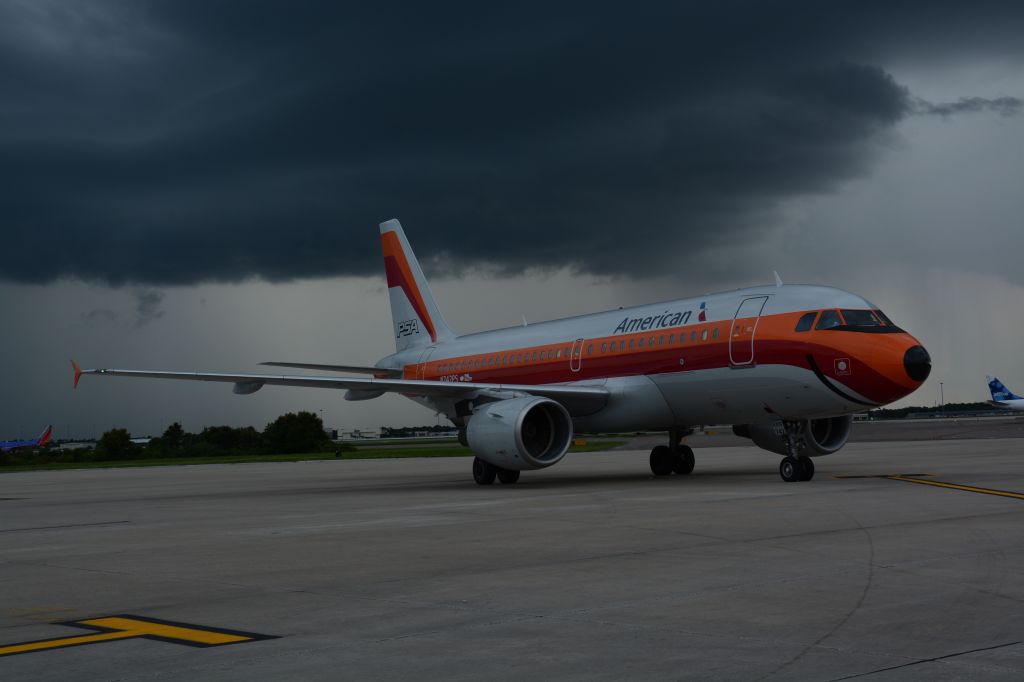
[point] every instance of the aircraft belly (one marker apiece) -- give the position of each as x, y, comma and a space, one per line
635, 404
749, 394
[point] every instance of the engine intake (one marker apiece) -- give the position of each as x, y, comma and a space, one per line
520, 433
817, 437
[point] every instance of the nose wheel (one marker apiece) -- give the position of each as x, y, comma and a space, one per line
795, 467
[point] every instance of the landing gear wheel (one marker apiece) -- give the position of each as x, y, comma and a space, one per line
484, 473
808, 466
508, 476
683, 462
791, 469
661, 461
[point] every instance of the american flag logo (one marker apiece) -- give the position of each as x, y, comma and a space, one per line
703, 317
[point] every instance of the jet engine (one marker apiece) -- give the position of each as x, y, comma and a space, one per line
520, 433
816, 436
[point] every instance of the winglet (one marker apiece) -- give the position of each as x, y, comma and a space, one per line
778, 280
78, 372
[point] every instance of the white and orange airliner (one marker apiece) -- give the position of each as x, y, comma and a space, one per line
786, 365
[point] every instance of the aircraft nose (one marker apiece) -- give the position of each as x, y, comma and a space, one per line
917, 362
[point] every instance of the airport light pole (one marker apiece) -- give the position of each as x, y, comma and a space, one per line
942, 399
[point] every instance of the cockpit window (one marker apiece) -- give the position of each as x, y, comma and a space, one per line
829, 319
861, 318
806, 321
884, 318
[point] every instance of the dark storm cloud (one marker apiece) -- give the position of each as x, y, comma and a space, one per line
170, 142
1004, 106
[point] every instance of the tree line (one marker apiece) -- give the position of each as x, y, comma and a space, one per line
292, 433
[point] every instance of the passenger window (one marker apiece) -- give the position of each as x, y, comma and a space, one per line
558, 354
671, 339
806, 321
590, 349
641, 343
534, 355
829, 319
693, 336
650, 341
703, 334
714, 333
632, 343
604, 347
622, 345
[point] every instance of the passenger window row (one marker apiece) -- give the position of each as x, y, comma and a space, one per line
559, 353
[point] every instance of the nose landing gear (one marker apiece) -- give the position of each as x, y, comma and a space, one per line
674, 457
795, 467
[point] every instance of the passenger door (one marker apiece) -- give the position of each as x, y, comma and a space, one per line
576, 359
422, 367
744, 326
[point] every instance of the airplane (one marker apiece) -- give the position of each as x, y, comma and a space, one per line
786, 365
1002, 396
43, 439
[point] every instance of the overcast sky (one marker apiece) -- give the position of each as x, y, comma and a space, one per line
197, 185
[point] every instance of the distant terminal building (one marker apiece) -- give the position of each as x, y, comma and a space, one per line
359, 434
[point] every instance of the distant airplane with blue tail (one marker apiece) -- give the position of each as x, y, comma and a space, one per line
43, 439
1002, 396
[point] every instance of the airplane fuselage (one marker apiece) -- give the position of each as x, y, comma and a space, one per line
733, 357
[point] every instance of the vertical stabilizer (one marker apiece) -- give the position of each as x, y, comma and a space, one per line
999, 391
417, 319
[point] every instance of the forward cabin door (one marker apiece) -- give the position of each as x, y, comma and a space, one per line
744, 326
576, 359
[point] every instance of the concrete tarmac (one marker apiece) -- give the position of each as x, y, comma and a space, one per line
590, 570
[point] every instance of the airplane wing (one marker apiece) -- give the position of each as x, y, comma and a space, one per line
354, 369
576, 398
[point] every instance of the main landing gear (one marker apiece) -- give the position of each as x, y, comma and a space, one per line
484, 473
794, 467
674, 457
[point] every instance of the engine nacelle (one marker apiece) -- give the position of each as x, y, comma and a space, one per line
520, 433
817, 437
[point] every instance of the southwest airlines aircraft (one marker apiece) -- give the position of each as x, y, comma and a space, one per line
787, 365
1002, 396
43, 439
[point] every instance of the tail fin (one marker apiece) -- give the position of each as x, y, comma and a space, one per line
1000, 392
45, 436
417, 319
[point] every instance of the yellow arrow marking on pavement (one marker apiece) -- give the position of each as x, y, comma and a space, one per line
112, 628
